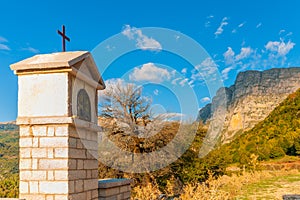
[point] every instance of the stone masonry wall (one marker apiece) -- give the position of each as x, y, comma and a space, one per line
55, 165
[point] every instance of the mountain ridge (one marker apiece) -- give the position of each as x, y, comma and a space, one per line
250, 99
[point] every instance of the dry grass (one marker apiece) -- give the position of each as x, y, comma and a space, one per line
272, 184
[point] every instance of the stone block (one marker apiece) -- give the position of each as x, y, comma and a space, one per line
39, 131
61, 131
71, 186
25, 163
90, 184
25, 152
24, 187
61, 175
34, 164
80, 164
49, 197
61, 152
38, 175
54, 142
77, 174
72, 142
61, 197
77, 153
25, 131
50, 153
78, 186
25, 142
34, 187
50, 164
50, 175
95, 194
56, 187
106, 192
50, 131
90, 164
35, 142
78, 196
39, 152
124, 189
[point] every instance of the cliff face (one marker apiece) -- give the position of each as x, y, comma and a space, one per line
252, 98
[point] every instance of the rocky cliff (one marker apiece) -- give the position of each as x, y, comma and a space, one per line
252, 98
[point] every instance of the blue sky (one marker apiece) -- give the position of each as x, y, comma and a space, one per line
235, 36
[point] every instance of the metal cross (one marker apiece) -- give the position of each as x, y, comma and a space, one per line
64, 37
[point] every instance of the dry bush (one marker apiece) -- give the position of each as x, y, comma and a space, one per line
148, 192
221, 188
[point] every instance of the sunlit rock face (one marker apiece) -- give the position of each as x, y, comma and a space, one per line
251, 99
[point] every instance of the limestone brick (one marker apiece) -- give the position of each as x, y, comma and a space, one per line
61, 152
25, 152
25, 142
78, 186
50, 153
39, 152
25, 131
61, 197
54, 142
50, 175
25, 163
34, 187
39, 130
24, 187
38, 175
90, 184
50, 131
53, 164
90, 164
61, 131
50, 187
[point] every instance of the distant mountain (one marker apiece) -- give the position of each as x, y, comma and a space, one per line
250, 100
9, 148
276, 136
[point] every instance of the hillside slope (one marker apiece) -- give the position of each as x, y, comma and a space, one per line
276, 136
252, 98
9, 147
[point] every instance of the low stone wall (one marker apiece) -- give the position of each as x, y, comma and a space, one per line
291, 197
114, 189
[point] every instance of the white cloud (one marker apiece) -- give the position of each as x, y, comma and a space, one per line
207, 70
150, 72
238, 27
259, 25
183, 82
225, 72
184, 70
241, 24
2, 39
31, 49
221, 27
174, 81
281, 31
229, 56
142, 41
110, 48
4, 47
280, 47
156, 92
205, 99
208, 22
245, 53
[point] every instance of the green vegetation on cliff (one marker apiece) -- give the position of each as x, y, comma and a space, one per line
276, 136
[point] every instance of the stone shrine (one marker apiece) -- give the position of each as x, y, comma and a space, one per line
57, 115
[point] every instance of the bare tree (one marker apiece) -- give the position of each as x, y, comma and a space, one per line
126, 104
